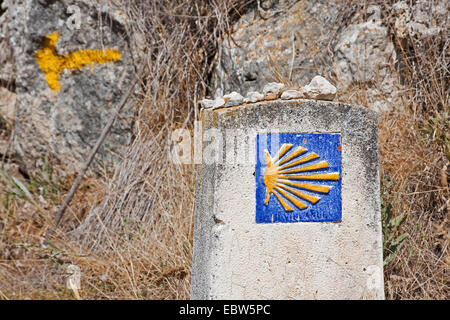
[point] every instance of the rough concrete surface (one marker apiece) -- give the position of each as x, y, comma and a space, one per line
236, 258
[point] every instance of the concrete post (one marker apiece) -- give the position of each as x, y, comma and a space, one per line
288, 203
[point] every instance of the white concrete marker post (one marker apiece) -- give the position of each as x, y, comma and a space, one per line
288, 203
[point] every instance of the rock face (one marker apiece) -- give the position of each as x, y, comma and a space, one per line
7, 75
233, 99
61, 112
292, 41
318, 89
421, 20
364, 53
283, 37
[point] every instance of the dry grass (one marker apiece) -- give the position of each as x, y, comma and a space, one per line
137, 243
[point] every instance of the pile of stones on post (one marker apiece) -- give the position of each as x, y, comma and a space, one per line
318, 89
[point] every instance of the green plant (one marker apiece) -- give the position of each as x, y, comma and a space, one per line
437, 129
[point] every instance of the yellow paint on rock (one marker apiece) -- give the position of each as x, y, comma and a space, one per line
52, 63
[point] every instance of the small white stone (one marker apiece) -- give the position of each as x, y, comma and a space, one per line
216, 103
234, 99
254, 96
320, 89
273, 87
219, 102
292, 94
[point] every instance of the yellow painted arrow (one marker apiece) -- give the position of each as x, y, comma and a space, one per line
52, 63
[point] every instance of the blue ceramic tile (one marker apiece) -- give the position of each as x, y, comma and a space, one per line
298, 177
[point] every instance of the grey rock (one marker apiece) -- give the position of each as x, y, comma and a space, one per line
233, 99
64, 125
207, 103
364, 53
216, 103
320, 89
219, 102
423, 19
296, 40
293, 94
262, 45
7, 71
253, 96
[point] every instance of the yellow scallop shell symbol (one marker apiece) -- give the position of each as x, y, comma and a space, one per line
283, 171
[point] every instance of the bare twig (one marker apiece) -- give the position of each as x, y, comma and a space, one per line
91, 156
